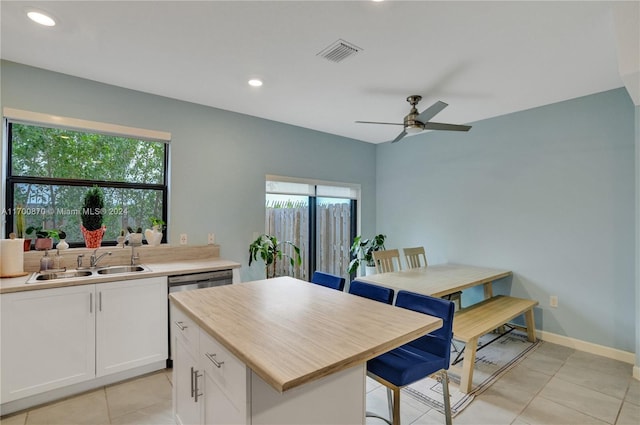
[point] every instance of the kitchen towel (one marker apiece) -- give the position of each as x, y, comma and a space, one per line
11, 257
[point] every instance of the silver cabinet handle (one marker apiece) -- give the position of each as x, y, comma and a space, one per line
90, 302
181, 326
100, 300
192, 374
212, 357
195, 385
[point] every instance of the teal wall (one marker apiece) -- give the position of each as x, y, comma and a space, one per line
548, 193
219, 159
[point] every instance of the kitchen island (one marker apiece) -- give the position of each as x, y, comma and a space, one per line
280, 351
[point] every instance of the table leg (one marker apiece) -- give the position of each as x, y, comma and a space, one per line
531, 325
488, 290
466, 379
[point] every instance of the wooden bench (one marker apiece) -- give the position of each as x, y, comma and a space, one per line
479, 319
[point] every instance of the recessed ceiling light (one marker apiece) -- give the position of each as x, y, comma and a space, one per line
41, 18
254, 82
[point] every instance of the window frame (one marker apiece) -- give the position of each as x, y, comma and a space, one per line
11, 116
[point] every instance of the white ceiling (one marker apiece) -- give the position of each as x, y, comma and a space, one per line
483, 58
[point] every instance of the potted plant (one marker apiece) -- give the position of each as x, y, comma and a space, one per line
92, 216
269, 249
362, 251
44, 238
20, 230
154, 235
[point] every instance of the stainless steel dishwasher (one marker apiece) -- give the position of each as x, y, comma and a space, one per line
187, 282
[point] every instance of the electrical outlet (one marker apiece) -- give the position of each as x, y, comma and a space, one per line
553, 301
211, 238
183, 238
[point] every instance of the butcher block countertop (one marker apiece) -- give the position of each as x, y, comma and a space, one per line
291, 332
167, 268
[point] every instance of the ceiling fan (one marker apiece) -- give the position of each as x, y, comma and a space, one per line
416, 122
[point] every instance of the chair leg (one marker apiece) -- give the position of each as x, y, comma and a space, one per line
445, 395
390, 401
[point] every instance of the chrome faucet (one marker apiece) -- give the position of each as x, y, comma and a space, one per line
134, 256
94, 260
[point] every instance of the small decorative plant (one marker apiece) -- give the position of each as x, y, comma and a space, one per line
269, 249
155, 221
20, 221
92, 216
362, 251
93, 209
44, 238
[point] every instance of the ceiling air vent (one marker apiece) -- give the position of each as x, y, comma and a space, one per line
339, 51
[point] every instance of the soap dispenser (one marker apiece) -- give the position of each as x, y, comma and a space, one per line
57, 261
46, 262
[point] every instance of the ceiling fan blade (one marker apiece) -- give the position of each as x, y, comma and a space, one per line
400, 136
377, 122
443, 126
431, 111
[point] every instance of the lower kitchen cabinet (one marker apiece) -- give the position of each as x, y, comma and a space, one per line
48, 340
53, 338
131, 329
187, 408
209, 383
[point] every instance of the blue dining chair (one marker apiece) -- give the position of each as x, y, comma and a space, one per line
371, 291
419, 358
328, 280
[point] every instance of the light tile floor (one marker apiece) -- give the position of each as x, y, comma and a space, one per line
553, 385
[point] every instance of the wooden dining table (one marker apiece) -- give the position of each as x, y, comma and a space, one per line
439, 280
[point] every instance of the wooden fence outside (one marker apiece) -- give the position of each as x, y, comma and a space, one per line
291, 223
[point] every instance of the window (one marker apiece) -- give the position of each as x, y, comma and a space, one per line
318, 217
50, 166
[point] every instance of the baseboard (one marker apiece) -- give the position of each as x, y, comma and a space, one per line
636, 372
600, 350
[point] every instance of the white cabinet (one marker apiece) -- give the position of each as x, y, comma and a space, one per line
225, 383
48, 340
53, 338
187, 407
131, 325
209, 383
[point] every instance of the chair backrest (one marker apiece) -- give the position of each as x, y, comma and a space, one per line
371, 291
415, 257
385, 260
437, 342
328, 280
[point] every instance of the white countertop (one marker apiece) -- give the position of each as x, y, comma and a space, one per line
18, 284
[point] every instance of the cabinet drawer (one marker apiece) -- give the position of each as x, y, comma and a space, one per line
185, 329
225, 369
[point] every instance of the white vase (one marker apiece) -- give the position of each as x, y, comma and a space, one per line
62, 244
369, 270
153, 236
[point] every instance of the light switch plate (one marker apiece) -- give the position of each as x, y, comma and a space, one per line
183, 238
211, 238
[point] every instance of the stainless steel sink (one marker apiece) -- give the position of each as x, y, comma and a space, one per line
63, 275
121, 269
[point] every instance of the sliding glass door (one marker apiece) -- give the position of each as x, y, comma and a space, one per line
319, 219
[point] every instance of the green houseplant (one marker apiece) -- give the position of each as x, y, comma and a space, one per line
20, 230
92, 216
362, 251
269, 249
44, 238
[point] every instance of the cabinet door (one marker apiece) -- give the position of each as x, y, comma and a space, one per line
186, 410
48, 340
218, 408
131, 324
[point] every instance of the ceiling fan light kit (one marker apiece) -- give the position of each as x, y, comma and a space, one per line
416, 122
